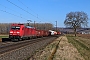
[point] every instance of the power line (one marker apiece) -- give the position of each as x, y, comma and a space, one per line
12, 14
10, 9
27, 7
21, 8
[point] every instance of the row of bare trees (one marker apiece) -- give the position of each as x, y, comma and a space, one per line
42, 26
5, 27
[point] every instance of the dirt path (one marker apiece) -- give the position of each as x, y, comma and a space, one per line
65, 51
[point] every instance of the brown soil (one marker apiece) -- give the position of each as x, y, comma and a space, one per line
87, 36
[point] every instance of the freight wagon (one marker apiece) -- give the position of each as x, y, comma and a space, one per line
21, 32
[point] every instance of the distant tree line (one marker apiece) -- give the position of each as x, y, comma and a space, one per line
42, 26
5, 27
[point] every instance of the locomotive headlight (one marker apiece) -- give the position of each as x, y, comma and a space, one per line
11, 32
18, 32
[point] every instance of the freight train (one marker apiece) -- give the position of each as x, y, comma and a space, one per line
22, 32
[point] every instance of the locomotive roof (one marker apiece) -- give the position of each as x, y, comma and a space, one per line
29, 27
17, 24
22, 24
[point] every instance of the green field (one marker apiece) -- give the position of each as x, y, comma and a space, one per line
4, 36
82, 45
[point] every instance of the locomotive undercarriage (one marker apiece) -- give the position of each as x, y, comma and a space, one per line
15, 38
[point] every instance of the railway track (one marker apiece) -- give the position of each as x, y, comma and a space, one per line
10, 47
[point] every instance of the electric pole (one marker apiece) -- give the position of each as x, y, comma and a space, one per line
56, 26
34, 24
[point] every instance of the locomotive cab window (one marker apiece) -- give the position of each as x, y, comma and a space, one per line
15, 27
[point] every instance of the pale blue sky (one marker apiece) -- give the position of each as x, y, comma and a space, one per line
43, 11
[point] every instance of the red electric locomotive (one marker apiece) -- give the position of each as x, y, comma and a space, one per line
20, 32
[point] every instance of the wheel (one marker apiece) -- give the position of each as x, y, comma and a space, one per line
15, 40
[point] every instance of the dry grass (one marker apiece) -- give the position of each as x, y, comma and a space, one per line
82, 45
87, 36
54, 51
64, 51
47, 53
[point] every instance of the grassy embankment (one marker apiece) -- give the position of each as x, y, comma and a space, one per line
82, 45
3, 36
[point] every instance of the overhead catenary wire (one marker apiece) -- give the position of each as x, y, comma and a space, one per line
20, 15
27, 7
12, 14
12, 10
9, 8
21, 8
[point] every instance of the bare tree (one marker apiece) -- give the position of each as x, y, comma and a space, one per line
76, 20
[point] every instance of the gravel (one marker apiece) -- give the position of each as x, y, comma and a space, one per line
24, 52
